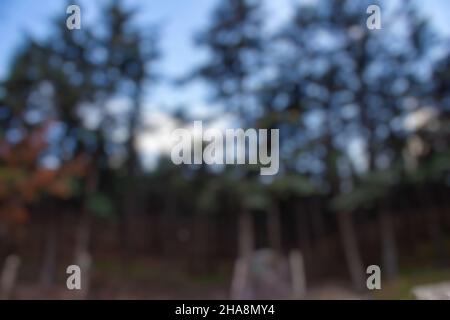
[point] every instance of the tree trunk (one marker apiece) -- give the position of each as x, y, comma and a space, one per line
303, 235
200, 243
48, 268
240, 283
388, 245
319, 230
318, 224
246, 235
434, 223
83, 239
351, 250
82, 253
437, 236
274, 227
126, 215
130, 205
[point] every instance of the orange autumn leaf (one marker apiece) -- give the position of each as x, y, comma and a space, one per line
78, 167
14, 213
43, 177
60, 188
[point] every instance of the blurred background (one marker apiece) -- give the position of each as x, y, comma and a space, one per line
85, 170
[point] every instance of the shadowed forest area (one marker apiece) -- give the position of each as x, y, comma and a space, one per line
364, 177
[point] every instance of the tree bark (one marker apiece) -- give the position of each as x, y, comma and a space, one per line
351, 250
388, 245
303, 234
246, 235
200, 243
48, 268
433, 220
83, 238
437, 236
274, 227
319, 230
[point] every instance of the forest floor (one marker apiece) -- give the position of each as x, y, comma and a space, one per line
410, 278
149, 279
159, 279
155, 279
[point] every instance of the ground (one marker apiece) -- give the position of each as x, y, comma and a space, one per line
154, 279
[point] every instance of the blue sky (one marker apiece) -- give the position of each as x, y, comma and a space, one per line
180, 20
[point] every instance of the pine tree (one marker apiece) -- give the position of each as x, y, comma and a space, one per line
70, 78
234, 41
340, 82
129, 70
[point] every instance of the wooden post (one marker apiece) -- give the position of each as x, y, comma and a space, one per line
298, 276
239, 282
84, 262
8, 276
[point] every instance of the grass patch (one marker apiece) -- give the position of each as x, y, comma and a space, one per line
401, 289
